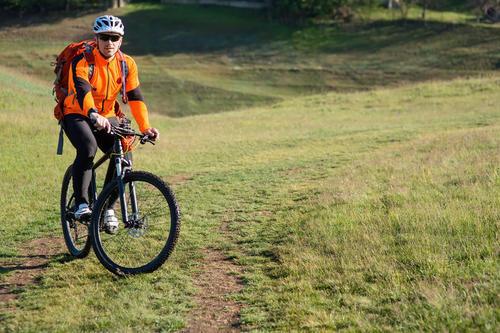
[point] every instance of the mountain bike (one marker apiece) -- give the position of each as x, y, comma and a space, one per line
145, 206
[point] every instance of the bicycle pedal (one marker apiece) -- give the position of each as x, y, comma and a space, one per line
85, 222
84, 219
70, 216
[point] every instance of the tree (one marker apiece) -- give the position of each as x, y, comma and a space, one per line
403, 8
424, 3
405, 4
117, 3
302, 9
22, 7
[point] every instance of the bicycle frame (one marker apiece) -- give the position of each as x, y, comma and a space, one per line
122, 164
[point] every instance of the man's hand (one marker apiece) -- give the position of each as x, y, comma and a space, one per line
100, 122
153, 133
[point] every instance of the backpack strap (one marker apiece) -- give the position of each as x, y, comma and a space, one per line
124, 68
89, 57
60, 142
91, 71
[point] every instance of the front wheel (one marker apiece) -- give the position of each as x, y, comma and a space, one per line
143, 242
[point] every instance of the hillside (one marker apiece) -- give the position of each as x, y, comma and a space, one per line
369, 207
204, 60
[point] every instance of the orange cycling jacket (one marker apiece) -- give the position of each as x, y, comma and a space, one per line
103, 89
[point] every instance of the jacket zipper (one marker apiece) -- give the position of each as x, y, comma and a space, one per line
107, 87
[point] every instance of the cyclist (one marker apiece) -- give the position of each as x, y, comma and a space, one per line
89, 108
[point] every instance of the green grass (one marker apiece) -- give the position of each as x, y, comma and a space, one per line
452, 13
198, 60
405, 239
365, 210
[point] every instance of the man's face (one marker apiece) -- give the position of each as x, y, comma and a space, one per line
109, 44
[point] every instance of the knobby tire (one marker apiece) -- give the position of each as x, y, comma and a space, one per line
159, 215
70, 228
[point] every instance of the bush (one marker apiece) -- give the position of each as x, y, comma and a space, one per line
292, 10
300, 9
36, 6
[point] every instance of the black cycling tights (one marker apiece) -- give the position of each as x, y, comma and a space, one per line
86, 139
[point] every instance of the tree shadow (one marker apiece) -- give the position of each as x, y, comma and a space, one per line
172, 29
165, 30
248, 50
11, 20
177, 29
369, 38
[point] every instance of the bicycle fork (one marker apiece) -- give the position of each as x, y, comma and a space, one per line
120, 173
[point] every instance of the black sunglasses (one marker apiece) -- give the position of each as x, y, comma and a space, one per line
113, 38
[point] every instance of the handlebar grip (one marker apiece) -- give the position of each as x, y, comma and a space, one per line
145, 139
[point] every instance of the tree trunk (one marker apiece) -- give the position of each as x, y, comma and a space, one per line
269, 9
424, 9
117, 3
403, 8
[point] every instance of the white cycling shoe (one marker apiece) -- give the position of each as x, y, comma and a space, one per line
110, 222
83, 212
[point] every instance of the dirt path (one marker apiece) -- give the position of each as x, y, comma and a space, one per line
219, 278
28, 266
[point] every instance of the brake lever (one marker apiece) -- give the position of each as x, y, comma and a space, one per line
145, 139
121, 131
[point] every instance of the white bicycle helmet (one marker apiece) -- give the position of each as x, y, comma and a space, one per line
108, 23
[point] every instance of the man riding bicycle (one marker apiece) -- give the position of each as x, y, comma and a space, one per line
89, 108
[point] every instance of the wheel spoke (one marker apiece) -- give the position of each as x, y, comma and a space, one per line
143, 248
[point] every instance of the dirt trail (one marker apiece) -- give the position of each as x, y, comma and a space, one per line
219, 278
28, 266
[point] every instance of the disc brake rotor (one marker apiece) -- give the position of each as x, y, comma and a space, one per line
139, 228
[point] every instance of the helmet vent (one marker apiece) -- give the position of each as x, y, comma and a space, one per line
108, 24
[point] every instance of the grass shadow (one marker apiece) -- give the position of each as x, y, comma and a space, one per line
34, 262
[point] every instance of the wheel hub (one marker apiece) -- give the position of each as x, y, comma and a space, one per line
137, 227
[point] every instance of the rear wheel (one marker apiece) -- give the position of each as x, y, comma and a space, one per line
76, 233
144, 242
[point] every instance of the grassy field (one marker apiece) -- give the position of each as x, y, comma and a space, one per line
198, 61
357, 174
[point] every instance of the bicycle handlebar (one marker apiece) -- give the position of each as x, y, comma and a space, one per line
120, 131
